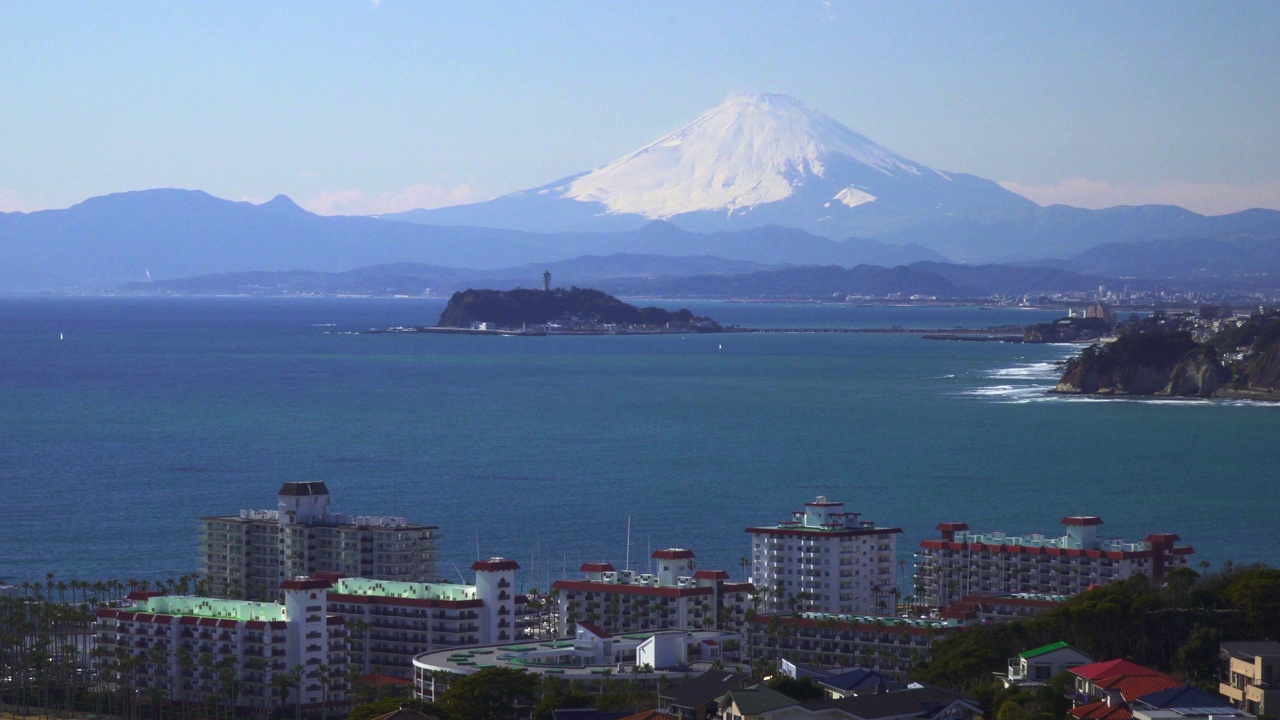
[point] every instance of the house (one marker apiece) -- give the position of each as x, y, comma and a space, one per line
1183, 696
697, 699
858, 681
923, 703
1192, 713
754, 702
1104, 690
1249, 676
1037, 666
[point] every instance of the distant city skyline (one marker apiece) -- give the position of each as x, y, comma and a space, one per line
360, 107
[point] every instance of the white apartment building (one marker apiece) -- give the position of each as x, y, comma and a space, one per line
391, 622
962, 563
825, 560
185, 645
675, 596
248, 555
873, 642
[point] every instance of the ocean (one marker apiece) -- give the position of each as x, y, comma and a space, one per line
125, 420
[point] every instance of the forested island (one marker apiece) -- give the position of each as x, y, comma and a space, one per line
1157, 357
561, 310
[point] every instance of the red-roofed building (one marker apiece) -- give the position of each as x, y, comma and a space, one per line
399, 620
296, 633
961, 563
1104, 689
825, 560
675, 596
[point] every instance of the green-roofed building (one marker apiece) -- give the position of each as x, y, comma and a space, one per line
1036, 666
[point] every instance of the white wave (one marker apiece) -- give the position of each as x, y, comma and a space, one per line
1028, 371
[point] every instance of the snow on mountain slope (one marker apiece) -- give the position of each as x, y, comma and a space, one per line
752, 150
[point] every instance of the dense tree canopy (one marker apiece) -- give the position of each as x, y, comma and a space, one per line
1175, 628
495, 693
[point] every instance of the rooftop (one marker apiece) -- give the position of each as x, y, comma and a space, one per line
1045, 649
1250, 649
210, 608
410, 590
558, 657
887, 620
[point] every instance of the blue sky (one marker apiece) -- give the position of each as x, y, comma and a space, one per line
359, 106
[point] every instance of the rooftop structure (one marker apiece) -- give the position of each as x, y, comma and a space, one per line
825, 559
676, 596
247, 555
1002, 608
588, 658
964, 563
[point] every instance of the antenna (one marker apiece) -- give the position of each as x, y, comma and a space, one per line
628, 563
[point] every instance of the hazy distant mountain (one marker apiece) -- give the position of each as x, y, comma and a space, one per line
764, 159
648, 275
417, 278
756, 160
1060, 230
1182, 259
106, 241
802, 282
1011, 280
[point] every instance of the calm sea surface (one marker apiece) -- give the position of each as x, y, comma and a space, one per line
148, 414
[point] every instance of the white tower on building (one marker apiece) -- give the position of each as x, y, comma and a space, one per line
495, 586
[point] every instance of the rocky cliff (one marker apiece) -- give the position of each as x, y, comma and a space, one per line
1146, 364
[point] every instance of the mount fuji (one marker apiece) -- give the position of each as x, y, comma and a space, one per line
766, 160
759, 159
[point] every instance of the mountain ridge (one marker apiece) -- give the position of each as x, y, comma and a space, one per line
168, 233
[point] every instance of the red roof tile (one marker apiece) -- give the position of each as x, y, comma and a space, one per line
672, 554
1081, 520
1132, 687
1111, 668
593, 628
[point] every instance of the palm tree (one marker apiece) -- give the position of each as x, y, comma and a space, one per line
282, 683
323, 671
298, 675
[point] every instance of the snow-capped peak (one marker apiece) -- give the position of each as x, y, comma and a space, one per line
751, 150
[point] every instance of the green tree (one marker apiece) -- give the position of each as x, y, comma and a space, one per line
495, 693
